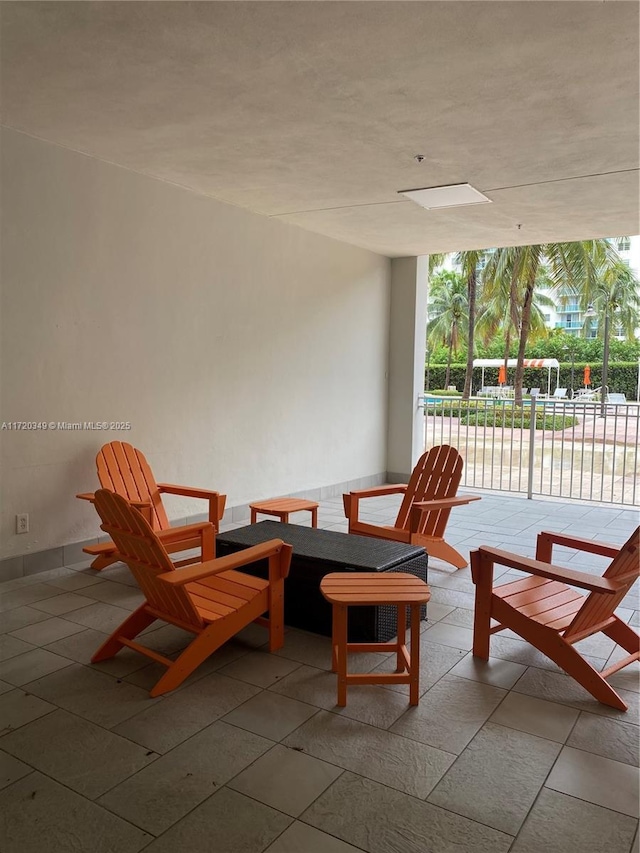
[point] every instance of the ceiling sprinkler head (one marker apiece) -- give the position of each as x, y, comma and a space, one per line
419, 158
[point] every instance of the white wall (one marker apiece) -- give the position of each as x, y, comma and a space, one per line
248, 355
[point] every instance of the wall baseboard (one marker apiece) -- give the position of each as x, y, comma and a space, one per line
33, 563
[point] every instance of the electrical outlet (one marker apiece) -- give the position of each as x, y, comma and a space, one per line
22, 522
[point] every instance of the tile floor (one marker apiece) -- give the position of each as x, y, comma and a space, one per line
252, 755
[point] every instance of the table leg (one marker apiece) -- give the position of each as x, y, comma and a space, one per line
414, 670
334, 638
402, 635
341, 618
314, 517
284, 517
254, 515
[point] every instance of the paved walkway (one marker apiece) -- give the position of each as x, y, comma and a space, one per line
252, 755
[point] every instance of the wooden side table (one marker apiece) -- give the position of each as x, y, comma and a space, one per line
281, 507
351, 589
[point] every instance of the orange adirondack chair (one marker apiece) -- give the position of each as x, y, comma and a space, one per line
428, 500
212, 599
123, 469
551, 616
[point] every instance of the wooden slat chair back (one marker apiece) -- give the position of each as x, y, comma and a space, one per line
429, 497
123, 469
437, 475
597, 611
212, 600
145, 556
544, 609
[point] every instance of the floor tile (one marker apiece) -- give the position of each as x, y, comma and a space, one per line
80, 648
459, 616
119, 594
228, 822
260, 668
92, 695
63, 603
271, 715
41, 816
519, 651
182, 714
99, 616
435, 661
411, 767
46, 632
497, 763
5, 688
450, 635
379, 819
18, 708
450, 713
609, 738
314, 650
302, 838
535, 716
98, 760
453, 597
559, 824
158, 796
13, 620
366, 703
34, 664
558, 687
11, 769
598, 780
76, 580
436, 611
10, 647
495, 671
26, 595
149, 674
286, 780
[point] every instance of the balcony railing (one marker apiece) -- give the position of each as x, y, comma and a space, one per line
555, 448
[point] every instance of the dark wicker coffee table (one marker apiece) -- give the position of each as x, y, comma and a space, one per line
315, 554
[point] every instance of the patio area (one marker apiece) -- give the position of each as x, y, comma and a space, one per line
252, 755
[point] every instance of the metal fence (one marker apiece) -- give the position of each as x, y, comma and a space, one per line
565, 449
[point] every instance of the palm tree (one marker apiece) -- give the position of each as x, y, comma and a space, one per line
516, 271
614, 298
469, 262
448, 310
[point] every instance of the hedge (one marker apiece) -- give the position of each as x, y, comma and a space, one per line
623, 377
509, 416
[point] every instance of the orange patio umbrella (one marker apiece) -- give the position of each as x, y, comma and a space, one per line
587, 375
502, 375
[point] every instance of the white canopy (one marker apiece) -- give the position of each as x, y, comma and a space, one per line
548, 363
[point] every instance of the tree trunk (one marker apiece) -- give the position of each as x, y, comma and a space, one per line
448, 372
471, 291
525, 326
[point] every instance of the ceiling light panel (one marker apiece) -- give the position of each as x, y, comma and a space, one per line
454, 195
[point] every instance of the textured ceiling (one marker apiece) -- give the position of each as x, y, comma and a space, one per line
312, 112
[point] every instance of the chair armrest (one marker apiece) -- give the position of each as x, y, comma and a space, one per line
351, 500
216, 500
205, 531
546, 570
419, 508
188, 491
548, 538
183, 532
180, 577
87, 496
376, 491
